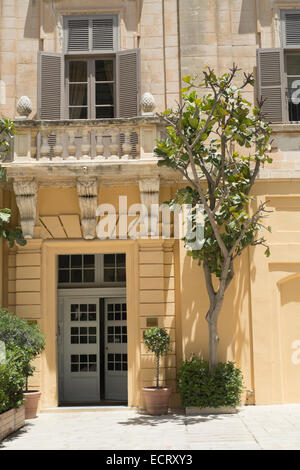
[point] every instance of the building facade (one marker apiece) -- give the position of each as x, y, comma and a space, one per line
94, 279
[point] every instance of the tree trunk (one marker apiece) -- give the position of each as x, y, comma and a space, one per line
157, 371
216, 301
213, 342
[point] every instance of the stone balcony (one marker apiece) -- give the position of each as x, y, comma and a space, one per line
70, 142
58, 152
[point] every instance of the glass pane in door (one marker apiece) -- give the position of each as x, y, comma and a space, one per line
116, 362
104, 88
78, 89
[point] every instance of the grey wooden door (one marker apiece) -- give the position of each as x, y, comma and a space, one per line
81, 361
116, 362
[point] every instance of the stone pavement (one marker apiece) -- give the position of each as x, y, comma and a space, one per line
254, 427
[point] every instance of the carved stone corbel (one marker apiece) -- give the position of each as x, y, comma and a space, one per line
87, 190
149, 191
26, 196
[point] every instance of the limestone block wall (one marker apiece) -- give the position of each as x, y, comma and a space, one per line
28, 26
19, 44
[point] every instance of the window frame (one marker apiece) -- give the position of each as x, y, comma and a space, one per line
283, 13
91, 83
99, 275
288, 49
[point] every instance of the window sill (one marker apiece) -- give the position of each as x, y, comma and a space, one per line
289, 127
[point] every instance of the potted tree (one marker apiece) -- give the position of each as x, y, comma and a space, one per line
157, 341
28, 337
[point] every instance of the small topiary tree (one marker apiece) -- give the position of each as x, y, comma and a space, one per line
157, 341
27, 337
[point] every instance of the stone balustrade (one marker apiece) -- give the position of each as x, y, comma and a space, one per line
71, 141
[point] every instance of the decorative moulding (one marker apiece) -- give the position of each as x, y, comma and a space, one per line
149, 193
87, 190
26, 197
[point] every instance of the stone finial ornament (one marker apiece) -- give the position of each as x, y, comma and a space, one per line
148, 103
24, 107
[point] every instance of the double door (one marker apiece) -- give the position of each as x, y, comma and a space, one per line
92, 349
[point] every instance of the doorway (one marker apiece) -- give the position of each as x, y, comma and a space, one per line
92, 341
92, 345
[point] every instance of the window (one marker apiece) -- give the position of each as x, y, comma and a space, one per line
92, 78
91, 88
90, 271
279, 72
76, 269
114, 268
293, 86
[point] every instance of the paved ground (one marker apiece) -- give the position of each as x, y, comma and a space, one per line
254, 427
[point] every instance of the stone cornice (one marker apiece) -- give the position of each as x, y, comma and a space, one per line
106, 174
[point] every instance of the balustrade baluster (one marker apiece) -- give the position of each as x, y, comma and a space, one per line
114, 146
45, 147
71, 147
58, 147
127, 146
99, 144
86, 145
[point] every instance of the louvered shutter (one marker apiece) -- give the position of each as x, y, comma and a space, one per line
78, 35
291, 28
50, 89
128, 83
270, 83
91, 34
103, 34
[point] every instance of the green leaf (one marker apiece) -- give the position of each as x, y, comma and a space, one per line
267, 252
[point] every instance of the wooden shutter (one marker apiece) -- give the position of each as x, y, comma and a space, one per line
128, 83
50, 89
91, 34
78, 35
291, 28
103, 34
271, 83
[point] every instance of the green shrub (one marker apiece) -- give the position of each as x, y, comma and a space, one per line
26, 336
198, 387
12, 379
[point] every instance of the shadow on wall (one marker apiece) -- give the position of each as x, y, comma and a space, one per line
47, 17
233, 325
249, 15
32, 21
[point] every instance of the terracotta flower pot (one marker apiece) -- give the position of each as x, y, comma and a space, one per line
157, 400
31, 404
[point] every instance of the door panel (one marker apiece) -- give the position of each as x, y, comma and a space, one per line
116, 363
81, 365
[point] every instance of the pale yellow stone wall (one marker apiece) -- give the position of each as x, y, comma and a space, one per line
259, 322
